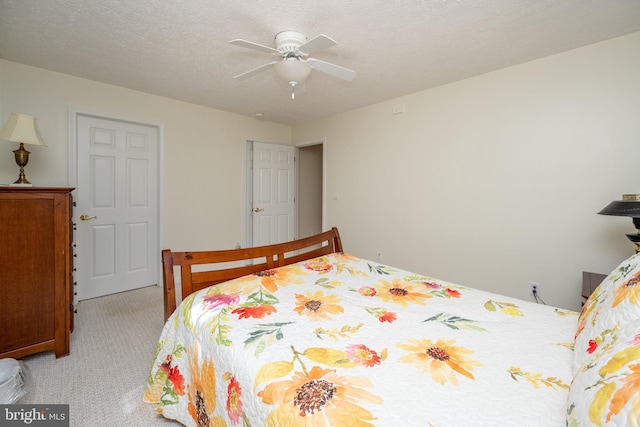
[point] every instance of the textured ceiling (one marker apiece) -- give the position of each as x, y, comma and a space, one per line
179, 49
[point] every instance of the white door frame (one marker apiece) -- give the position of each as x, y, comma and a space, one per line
74, 112
247, 202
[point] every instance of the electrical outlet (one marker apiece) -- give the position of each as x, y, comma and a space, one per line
537, 287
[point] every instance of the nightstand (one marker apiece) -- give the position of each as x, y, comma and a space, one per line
590, 282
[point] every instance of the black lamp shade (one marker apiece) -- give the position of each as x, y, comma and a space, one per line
622, 208
628, 206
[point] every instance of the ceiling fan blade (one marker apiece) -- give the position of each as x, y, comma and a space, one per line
255, 46
316, 44
255, 71
332, 69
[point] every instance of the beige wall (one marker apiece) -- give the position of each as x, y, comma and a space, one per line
495, 181
491, 182
204, 149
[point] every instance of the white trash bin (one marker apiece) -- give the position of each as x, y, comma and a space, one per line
13, 381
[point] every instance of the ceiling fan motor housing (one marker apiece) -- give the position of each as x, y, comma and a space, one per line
289, 42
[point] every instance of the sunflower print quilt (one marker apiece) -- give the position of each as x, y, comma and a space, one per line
343, 341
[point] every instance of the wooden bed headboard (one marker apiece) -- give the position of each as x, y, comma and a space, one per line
264, 258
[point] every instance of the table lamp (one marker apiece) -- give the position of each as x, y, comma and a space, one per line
628, 206
23, 129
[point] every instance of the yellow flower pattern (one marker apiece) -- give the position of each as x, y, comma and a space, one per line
318, 398
402, 293
441, 359
317, 305
201, 389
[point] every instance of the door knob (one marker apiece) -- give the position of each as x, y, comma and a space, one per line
86, 217
258, 209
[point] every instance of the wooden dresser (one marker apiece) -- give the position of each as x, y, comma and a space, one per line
36, 271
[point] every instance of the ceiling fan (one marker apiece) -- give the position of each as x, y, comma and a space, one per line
295, 65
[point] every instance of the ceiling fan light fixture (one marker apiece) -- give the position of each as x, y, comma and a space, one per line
292, 70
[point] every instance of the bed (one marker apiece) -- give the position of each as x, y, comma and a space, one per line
304, 334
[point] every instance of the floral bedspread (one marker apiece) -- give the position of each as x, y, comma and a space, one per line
343, 341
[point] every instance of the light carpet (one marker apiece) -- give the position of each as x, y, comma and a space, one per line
104, 378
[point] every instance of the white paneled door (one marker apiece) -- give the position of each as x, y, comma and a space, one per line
273, 204
116, 207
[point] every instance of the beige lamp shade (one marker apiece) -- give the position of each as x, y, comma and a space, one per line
21, 128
